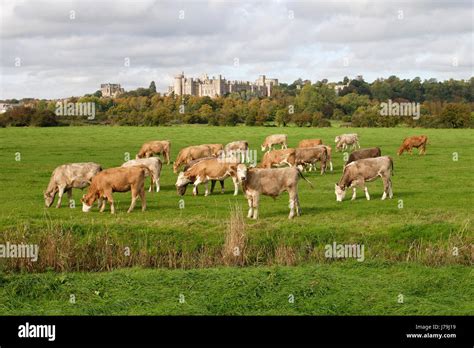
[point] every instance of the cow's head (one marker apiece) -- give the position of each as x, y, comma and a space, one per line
49, 198
336, 140
181, 183
87, 200
340, 193
264, 147
241, 172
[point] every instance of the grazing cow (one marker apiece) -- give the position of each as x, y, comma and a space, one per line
269, 182
415, 141
154, 166
155, 148
309, 143
190, 153
182, 189
68, 176
121, 179
236, 148
216, 149
278, 158
205, 170
240, 145
275, 139
310, 155
343, 141
371, 152
368, 169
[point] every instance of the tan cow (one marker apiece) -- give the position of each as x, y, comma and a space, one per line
415, 141
359, 172
154, 166
310, 155
343, 141
269, 182
240, 145
205, 170
190, 153
275, 139
276, 158
121, 179
68, 176
309, 143
216, 149
156, 147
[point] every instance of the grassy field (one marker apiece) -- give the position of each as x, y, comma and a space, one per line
409, 240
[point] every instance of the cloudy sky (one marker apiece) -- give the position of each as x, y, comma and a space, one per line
53, 49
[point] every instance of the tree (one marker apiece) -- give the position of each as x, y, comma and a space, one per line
152, 87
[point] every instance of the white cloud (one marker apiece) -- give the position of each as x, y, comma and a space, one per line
283, 39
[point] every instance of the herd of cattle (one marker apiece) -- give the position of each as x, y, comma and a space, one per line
279, 171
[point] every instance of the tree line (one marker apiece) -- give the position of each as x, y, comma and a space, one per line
442, 104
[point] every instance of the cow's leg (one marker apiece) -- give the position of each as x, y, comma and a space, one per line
323, 167
222, 185
206, 186
255, 202
143, 198
236, 185
386, 186
366, 193
157, 183
354, 193
60, 196
196, 183
167, 157
151, 183
250, 201
213, 184
390, 192
110, 198
103, 202
134, 199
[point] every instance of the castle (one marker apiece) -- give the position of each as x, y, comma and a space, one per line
111, 89
214, 87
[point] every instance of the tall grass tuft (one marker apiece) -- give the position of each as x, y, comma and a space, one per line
234, 249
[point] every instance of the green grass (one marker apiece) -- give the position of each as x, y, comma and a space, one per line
348, 288
437, 195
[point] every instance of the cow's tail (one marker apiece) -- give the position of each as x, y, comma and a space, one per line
303, 177
391, 165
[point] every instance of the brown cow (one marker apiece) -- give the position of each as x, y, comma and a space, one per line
415, 141
121, 179
182, 189
190, 153
364, 153
156, 147
310, 155
205, 170
275, 139
309, 143
278, 158
216, 149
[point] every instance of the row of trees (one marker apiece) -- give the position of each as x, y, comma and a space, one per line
302, 103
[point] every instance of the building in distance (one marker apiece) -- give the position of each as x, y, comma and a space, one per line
215, 87
111, 89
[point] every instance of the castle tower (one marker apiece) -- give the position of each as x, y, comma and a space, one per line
178, 84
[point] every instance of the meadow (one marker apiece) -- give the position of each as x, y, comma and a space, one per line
419, 244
